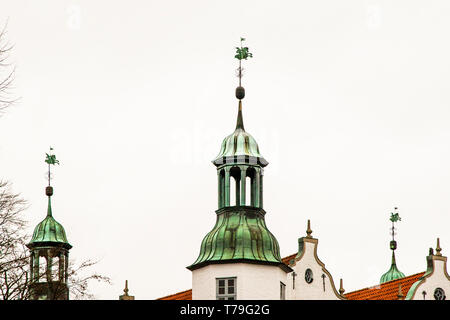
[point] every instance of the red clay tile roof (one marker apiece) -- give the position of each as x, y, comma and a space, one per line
183, 295
286, 260
385, 291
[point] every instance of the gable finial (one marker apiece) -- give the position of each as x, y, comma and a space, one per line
126, 288
438, 248
341, 287
125, 296
308, 230
400, 293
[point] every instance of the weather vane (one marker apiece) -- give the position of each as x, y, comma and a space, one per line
50, 159
395, 217
242, 53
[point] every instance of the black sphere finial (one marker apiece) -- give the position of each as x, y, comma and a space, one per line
49, 191
240, 93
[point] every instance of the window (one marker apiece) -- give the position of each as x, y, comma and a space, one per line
308, 276
226, 288
282, 291
439, 294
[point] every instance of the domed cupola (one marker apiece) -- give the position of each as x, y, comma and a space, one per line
239, 146
49, 230
393, 273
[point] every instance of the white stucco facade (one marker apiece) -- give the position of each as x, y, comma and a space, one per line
321, 287
253, 281
262, 282
436, 277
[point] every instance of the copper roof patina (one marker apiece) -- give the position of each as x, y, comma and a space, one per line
239, 145
49, 231
240, 234
393, 273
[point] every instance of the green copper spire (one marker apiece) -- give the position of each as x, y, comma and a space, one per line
49, 231
240, 233
393, 273
240, 144
240, 121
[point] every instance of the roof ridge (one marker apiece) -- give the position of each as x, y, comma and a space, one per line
387, 282
385, 289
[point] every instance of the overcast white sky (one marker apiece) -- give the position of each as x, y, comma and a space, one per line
349, 102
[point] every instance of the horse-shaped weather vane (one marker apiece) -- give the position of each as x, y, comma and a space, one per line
51, 160
395, 217
242, 53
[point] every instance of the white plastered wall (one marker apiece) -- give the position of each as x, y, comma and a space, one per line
314, 290
439, 278
253, 281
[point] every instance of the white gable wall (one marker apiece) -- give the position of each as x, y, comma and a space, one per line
437, 279
315, 289
253, 281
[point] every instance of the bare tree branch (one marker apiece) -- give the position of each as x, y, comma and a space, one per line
7, 73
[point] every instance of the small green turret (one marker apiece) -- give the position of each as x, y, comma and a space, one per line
49, 253
393, 273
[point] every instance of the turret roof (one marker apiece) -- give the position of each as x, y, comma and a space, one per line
239, 144
49, 231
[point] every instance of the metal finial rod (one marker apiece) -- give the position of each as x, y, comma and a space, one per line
240, 71
393, 231
242, 53
438, 248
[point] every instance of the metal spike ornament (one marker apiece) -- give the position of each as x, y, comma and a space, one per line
51, 160
242, 53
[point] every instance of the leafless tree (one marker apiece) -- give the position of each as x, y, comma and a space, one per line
13, 253
15, 256
7, 72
